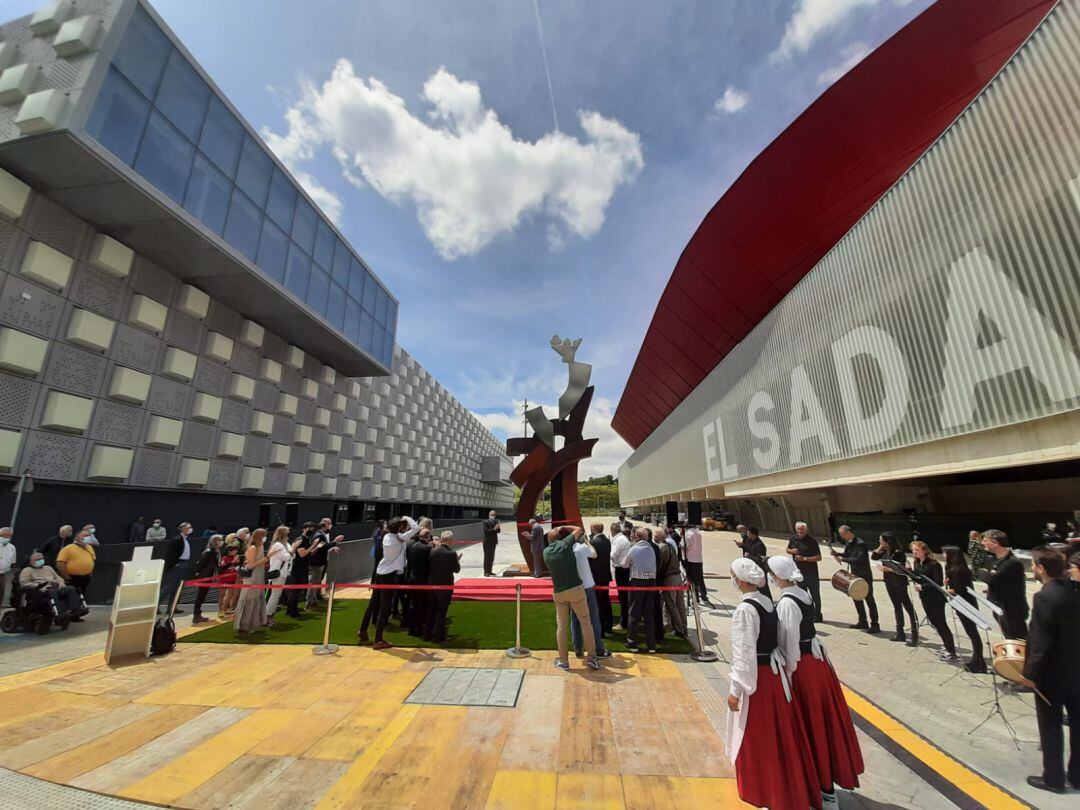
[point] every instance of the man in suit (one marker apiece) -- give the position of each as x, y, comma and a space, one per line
1006, 579
806, 551
443, 563
417, 572
177, 564
600, 565
1053, 665
492, 527
317, 567
857, 555
51, 547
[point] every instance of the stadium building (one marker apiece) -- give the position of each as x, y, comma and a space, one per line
878, 319
178, 318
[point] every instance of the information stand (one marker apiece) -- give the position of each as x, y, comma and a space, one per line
134, 609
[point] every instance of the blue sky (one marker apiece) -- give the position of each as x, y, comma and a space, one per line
427, 128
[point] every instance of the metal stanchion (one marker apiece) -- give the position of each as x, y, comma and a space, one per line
517, 651
176, 599
326, 648
701, 654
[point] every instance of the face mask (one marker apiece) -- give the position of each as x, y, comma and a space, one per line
157, 523
5, 540
92, 530
38, 563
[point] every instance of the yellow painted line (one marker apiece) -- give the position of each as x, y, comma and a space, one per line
205, 761
589, 791
965, 779
522, 790
346, 791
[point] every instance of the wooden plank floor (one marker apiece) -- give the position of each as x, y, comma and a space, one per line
215, 726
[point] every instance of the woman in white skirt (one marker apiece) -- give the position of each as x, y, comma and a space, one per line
280, 556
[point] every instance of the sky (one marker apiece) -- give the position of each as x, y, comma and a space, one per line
517, 169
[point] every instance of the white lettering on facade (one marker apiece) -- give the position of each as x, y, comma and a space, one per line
867, 430
708, 435
808, 418
766, 458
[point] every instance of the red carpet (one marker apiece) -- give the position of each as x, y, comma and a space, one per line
503, 589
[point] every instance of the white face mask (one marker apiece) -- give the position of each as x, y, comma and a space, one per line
5, 540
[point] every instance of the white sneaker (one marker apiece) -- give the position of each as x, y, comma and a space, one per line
829, 800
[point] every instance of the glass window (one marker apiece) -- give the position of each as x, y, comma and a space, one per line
118, 117
182, 96
388, 349
253, 173
324, 245
303, 228
208, 194
381, 307
363, 337
391, 318
356, 279
378, 341
279, 206
142, 53
222, 136
296, 274
342, 260
318, 287
165, 157
273, 248
242, 225
352, 319
370, 293
335, 307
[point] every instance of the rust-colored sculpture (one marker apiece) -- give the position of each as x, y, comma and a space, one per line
543, 464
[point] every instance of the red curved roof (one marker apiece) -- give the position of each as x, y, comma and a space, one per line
799, 197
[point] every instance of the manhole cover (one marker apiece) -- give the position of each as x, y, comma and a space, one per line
469, 686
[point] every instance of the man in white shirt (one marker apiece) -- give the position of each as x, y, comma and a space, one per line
583, 552
7, 560
694, 563
399, 531
620, 563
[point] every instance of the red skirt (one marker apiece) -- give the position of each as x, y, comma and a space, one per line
827, 720
774, 768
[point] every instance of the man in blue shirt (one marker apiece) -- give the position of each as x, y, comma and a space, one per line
642, 603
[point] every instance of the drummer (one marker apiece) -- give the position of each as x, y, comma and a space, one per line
857, 555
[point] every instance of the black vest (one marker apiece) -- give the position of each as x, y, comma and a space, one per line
768, 632
807, 631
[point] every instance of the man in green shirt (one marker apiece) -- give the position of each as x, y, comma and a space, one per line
568, 594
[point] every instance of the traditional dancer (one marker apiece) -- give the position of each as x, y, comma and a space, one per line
818, 699
765, 737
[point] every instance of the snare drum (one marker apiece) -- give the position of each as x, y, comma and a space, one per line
855, 587
1009, 660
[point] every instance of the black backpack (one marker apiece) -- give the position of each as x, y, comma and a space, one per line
164, 639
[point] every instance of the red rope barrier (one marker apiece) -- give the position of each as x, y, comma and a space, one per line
508, 589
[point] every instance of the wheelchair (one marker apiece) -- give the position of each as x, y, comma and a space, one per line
35, 609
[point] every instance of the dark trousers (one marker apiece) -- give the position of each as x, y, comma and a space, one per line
200, 597
386, 601
812, 585
1052, 739
1014, 625
622, 579
658, 611
603, 604
371, 612
973, 632
897, 589
416, 618
66, 598
292, 597
80, 582
861, 605
438, 605
489, 553
171, 583
695, 573
935, 614
642, 609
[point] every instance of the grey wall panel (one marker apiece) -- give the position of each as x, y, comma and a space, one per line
256, 451
117, 423
53, 455
223, 320
94, 290
283, 430
184, 332
169, 398
12, 242
18, 400
948, 309
135, 348
235, 416
30, 308
224, 476
153, 468
274, 481
265, 398
245, 360
152, 281
198, 440
211, 377
49, 223
75, 370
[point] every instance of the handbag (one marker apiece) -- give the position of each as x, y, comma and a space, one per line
272, 575
244, 572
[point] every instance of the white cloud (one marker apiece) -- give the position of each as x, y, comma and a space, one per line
732, 101
852, 55
470, 179
608, 453
812, 18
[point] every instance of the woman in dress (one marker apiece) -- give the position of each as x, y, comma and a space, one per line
765, 738
251, 610
933, 600
817, 696
230, 562
896, 585
280, 556
958, 578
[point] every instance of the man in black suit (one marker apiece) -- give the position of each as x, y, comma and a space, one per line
1053, 665
1006, 580
600, 566
51, 547
806, 552
417, 572
443, 563
857, 555
492, 527
177, 564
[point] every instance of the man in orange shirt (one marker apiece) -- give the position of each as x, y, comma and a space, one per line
75, 563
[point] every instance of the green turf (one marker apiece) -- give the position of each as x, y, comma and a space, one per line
473, 626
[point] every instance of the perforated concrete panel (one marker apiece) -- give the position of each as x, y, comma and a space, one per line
113, 257
110, 463
47, 266
66, 412
90, 330
22, 353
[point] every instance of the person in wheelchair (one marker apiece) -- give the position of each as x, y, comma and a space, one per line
43, 579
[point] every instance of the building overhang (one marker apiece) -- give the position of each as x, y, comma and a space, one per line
85, 179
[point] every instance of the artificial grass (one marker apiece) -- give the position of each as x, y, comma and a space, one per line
472, 626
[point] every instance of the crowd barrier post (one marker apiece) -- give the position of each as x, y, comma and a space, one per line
701, 654
326, 648
176, 599
517, 651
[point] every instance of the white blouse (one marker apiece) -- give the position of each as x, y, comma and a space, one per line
745, 627
789, 618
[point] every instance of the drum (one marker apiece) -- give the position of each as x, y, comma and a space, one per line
855, 587
1009, 660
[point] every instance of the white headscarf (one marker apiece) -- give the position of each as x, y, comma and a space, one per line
747, 571
784, 567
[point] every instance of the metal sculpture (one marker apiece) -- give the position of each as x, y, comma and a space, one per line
543, 464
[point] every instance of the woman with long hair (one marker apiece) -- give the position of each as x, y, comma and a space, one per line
896, 585
958, 578
280, 555
230, 562
933, 600
251, 610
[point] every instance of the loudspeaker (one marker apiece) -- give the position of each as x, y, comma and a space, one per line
672, 512
292, 514
693, 513
265, 511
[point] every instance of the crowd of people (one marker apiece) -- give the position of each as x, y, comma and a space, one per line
62, 566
